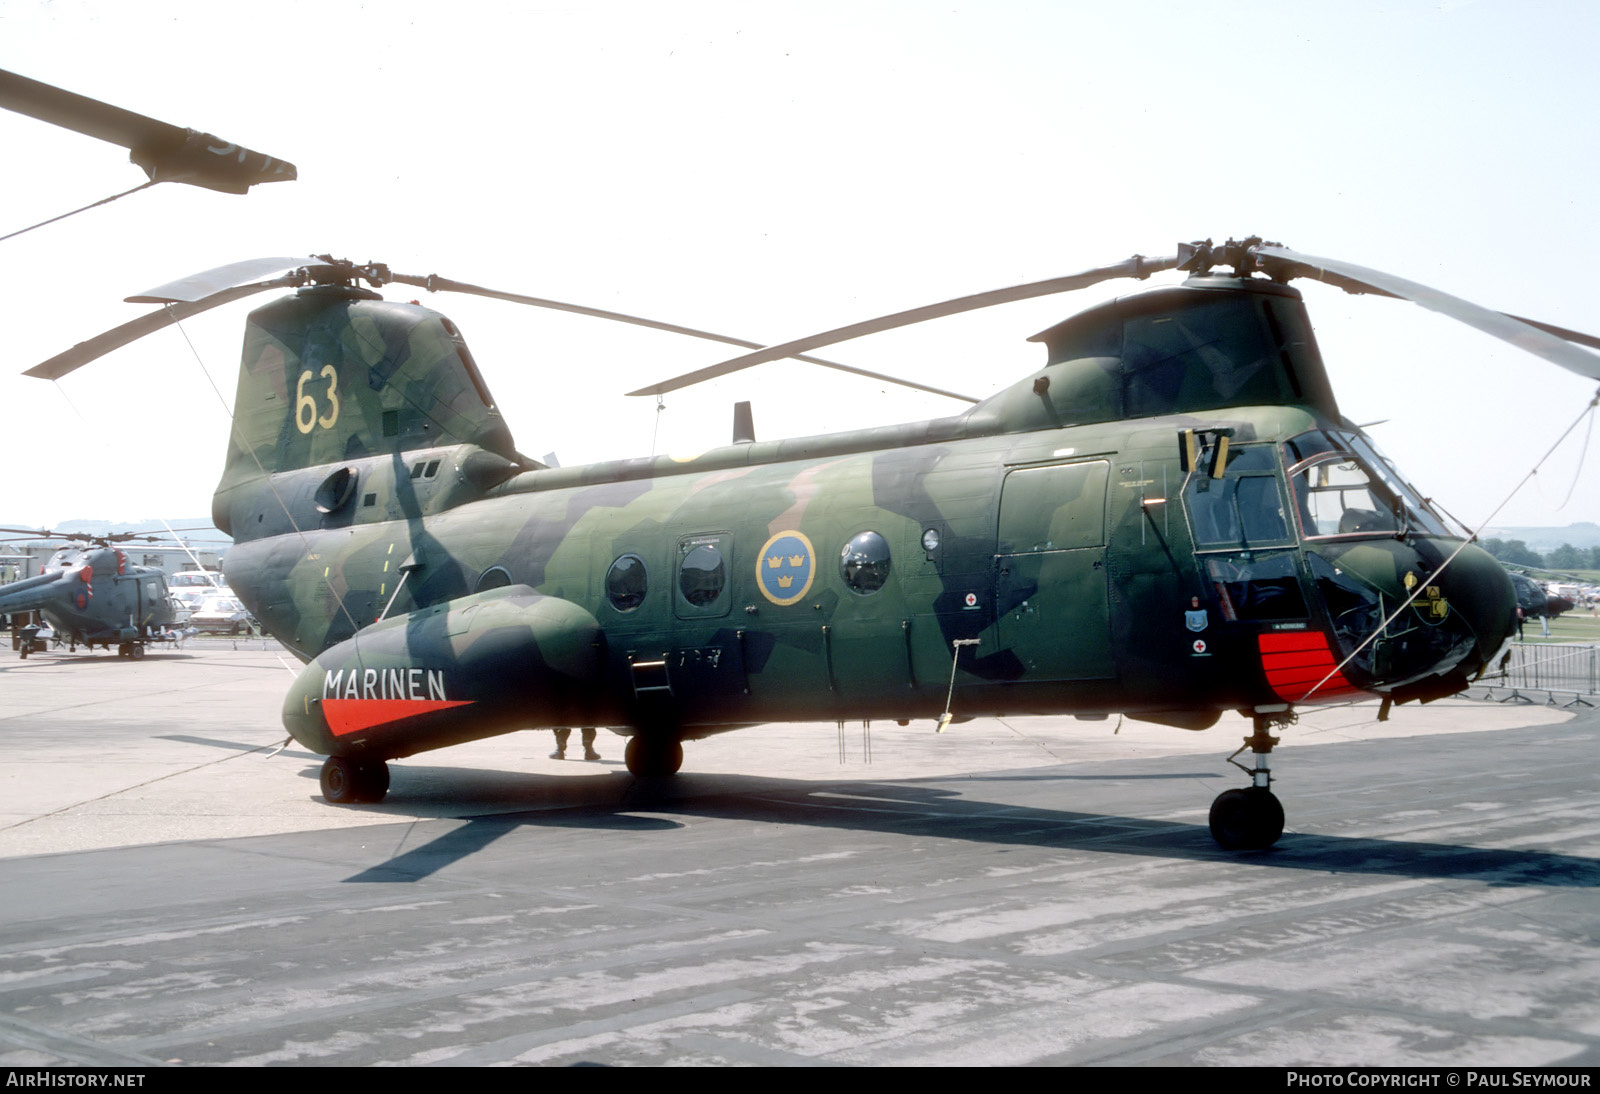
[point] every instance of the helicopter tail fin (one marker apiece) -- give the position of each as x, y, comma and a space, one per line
334, 374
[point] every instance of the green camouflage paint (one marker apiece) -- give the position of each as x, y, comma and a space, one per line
445, 588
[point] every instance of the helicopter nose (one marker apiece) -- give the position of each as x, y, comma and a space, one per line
1455, 624
1481, 592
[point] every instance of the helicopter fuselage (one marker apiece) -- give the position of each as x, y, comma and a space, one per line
1077, 570
1169, 519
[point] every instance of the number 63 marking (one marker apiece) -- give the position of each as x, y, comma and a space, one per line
305, 406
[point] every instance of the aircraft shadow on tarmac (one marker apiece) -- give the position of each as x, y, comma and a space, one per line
237, 746
911, 808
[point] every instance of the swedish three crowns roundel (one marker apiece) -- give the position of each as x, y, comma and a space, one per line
786, 567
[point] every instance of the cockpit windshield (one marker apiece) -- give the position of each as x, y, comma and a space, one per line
1343, 487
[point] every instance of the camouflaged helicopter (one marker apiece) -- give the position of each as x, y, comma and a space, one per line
1168, 519
91, 595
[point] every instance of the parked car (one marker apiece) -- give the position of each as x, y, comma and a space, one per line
222, 615
191, 587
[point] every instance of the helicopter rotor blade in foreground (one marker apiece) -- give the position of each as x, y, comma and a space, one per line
1137, 267
1541, 339
167, 153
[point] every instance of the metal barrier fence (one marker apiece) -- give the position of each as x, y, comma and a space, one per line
1555, 669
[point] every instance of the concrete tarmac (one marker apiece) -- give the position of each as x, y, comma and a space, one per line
173, 890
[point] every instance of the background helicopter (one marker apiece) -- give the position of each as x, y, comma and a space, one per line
1170, 519
1536, 601
91, 595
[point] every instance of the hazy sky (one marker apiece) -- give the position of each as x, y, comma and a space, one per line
767, 170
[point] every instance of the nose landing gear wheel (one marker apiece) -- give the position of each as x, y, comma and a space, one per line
648, 757
373, 780
1246, 820
1252, 819
345, 781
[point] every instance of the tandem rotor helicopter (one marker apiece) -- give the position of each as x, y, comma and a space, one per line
1169, 518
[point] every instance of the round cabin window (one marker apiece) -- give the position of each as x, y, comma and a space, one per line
864, 563
627, 582
702, 575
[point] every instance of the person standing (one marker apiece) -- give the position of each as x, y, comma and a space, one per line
562, 736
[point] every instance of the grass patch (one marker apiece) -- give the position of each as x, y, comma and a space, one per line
1574, 626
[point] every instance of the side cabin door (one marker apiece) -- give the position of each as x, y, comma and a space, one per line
137, 596
152, 599
703, 672
1052, 609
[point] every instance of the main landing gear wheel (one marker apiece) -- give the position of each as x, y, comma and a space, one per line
346, 781
648, 756
1246, 820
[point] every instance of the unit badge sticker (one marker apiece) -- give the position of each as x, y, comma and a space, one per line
785, 568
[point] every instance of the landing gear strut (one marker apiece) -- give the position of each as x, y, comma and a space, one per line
346, 781
648, 756
1251, 819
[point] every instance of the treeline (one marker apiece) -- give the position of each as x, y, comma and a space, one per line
1564, 557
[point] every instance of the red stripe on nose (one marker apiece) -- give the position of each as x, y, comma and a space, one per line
1295, 661
346, 716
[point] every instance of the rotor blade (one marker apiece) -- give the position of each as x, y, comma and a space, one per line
108, 536
435, 283
196, 287
1138, 266
1551, 343
168, 153
117, 337
1561, 332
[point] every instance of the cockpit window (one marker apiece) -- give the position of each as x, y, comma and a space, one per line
1299, 449
1418, 512
1244, 508
1336, 499
1206, 355
1344, 487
